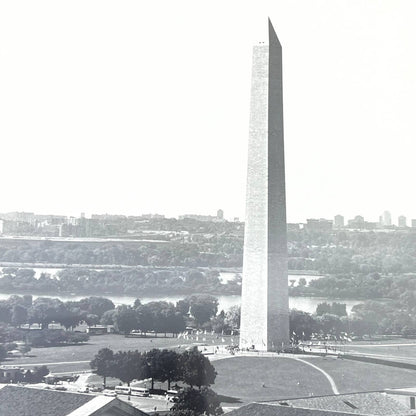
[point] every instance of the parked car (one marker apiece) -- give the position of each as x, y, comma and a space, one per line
84, 390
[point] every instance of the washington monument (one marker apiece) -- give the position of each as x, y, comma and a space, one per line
264, 303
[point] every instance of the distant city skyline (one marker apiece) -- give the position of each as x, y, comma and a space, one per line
123, 108
400, 220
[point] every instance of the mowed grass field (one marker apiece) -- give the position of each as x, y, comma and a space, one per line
70, 358
248, 379
401, 350
351, 376
264, 378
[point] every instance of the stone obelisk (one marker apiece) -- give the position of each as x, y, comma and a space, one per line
264, 303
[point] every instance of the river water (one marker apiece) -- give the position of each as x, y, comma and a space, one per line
306, 304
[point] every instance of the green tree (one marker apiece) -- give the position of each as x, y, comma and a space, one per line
5, 312
233, 317
196, 369
104, 364
203, 307
96, 305
91, 319
322, 308
169, 366
182, 306
45, 310
129, 365
19, 315
145, 318
3, 353
218, 323
69, 319
126, 319
339, 309
38, 373
109, 317
152, 364
330, 324
175, 322
193, 402
301, 324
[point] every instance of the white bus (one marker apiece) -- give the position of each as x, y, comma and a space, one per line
140, 391
122, 390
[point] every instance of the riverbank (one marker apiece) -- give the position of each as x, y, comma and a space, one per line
225, 302
235, 270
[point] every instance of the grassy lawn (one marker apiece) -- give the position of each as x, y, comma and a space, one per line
243, 377
255, 378
87, 351
352, 376
399, 351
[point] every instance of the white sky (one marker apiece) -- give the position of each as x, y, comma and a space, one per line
133, 107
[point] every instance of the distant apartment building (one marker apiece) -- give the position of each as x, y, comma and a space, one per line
1, 226
320, 224
413, 223
107, 217
357, 222
220, 214
386, 219
338, 221
152, 217
401, 221
28, 217
72, 221
370, 225
50, 219
200, 217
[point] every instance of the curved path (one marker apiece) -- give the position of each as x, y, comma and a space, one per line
330, 379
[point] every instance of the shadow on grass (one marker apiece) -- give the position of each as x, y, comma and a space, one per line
228, 399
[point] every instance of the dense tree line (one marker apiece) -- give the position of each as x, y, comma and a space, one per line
370, 286
364, 265
201, 312
36, 375
190, 367
162, 317
369, 318
217, 245
352, 251
137, 282
158, 317
22, 310
217, 251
